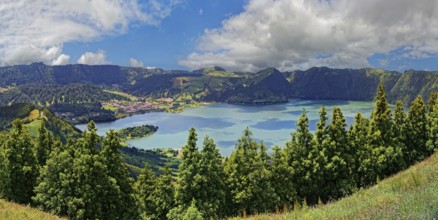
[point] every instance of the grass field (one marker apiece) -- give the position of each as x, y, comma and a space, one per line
14, 211
411, 194
131, 97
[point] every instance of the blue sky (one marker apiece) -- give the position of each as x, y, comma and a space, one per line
162, 45
240, 35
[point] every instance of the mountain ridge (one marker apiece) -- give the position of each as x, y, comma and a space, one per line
218, 85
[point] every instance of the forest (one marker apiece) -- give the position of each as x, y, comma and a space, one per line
137, 131
86, 178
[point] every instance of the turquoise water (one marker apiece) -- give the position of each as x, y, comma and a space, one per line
226, 122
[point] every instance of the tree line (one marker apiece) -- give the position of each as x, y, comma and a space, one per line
88, 179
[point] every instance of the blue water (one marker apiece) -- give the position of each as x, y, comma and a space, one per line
226, 122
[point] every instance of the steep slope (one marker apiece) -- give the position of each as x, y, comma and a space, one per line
217, 84
413, 83
266, 86
411, 194
360, 84
33, 116
14, 211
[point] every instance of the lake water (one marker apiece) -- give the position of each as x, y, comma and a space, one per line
225, 123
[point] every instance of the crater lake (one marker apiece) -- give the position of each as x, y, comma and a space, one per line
225, 123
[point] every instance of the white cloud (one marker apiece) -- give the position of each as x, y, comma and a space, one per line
90, 58
61, 60
303, 33
136, 63
31, 30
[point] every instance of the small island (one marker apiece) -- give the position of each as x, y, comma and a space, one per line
137, 131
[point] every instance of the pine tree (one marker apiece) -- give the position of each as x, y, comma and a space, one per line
364, 167
93, 184
20, 169
211, 201
56, 189
387, 157
163, 195
188, 176
381, 121
318, 160
193, 213
337, 171
281, 179
297, 151
416, 132
400, 130
118, 203
44, 145
144, 188
248, 178
432, 125
3, 176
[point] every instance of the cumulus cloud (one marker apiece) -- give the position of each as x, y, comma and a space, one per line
90, 58
303, 33
136, 63
34, 31
62, 59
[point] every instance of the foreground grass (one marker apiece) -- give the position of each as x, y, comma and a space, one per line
14, 211
411, 194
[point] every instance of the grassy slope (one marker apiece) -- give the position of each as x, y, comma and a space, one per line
411, 194
14, 211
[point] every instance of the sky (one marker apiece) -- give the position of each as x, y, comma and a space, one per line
238, 35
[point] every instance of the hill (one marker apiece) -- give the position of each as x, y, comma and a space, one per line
209, 84
9, 210
411, 194
33, 116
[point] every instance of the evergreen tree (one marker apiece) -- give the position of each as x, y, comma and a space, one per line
416, 132
297, 152
338, 173
3, 177
432, 125
212, 188
364, 167
400, 130
20, 169
56, 189
44, 144
318, 158
144, 188
387, 157
187, 186
119, 202
193, 213
281, 180
381, 121
163, 195
248, 178
90, 173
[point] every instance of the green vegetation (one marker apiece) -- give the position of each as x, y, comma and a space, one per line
137, 131
9, 210
155, 159
86, 177
124, 94
412, 193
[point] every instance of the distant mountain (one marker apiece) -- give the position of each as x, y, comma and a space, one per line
217, 84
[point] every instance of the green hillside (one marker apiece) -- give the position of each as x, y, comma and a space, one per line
9, 210
410, 194
32, 117
71, 84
